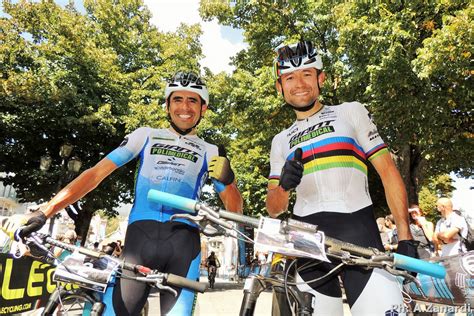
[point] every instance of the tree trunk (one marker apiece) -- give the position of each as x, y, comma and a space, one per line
83, 223
409, 162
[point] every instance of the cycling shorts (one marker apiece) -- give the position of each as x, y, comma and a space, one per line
170, 247
368, 292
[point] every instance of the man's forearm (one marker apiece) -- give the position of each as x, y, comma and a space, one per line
397, 202
428, 230
232, 199
277, 201
395, 194
79, 187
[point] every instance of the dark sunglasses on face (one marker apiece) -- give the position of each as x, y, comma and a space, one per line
302, 49
185, 78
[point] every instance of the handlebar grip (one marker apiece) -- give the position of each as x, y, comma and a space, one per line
236, 217
434, 270
177, 280
172, 200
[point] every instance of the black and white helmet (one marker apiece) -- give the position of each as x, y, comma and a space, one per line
187, 81
296, 56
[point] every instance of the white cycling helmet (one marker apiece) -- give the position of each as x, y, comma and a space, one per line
187, 81
296, 56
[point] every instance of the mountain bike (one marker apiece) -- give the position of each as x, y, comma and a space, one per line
292, 239
92, 273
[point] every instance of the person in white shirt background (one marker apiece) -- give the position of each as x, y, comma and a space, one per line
449, 229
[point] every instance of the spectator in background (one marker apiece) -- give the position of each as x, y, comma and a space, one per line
384, 235
392, 233
254, 265
449, 229
118, 249
102, 263
422, 231
96, 246
69, 237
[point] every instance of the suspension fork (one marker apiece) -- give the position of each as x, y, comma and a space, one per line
252, 289
302, 301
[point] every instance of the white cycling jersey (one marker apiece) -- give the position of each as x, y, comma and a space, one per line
168, 162
337, 142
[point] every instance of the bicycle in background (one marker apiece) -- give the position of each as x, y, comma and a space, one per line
293, 239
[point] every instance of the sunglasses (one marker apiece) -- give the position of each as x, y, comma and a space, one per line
186, 78
302, 49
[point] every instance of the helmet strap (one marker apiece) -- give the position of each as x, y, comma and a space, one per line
304, 108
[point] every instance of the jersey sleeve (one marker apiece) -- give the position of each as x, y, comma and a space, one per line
130, 147
277, 160
367, 134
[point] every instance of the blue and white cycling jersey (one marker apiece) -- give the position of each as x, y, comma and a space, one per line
167, 162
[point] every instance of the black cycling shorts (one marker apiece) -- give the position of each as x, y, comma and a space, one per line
358, 228
170, 247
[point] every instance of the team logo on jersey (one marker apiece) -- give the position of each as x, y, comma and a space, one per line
327, 113
174, 151
391, 312
193, 144
293, 129
124, 142
312, 132
373, 134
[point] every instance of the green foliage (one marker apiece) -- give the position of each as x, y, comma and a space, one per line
438, 186
408, 61
90, 79
83, 79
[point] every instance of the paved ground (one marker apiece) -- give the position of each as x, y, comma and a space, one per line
224, 299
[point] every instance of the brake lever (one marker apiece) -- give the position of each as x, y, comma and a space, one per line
200, 221
162, 287
19, 249
407, 278
157, 281
193, 218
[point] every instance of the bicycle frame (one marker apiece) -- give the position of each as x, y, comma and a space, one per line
255, 284
348, 254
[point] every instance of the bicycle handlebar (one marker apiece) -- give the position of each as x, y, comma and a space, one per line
170, 278
399, 261
39, 239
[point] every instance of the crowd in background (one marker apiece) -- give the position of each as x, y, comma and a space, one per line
446, 238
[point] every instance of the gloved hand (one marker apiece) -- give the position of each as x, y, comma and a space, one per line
220, 170
409, 248
28, 224
292, 171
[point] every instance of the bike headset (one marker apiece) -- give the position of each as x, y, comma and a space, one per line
294, 57
186, 81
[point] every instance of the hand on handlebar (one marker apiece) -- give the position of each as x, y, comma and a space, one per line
408, 248
19, 226
292, 171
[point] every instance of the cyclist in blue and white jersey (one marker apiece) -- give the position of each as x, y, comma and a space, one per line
330, 179
174, 160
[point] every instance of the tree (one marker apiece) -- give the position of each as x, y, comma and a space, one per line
85, 79
389, 55
439, 186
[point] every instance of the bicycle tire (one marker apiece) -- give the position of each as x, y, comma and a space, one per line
71, 303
